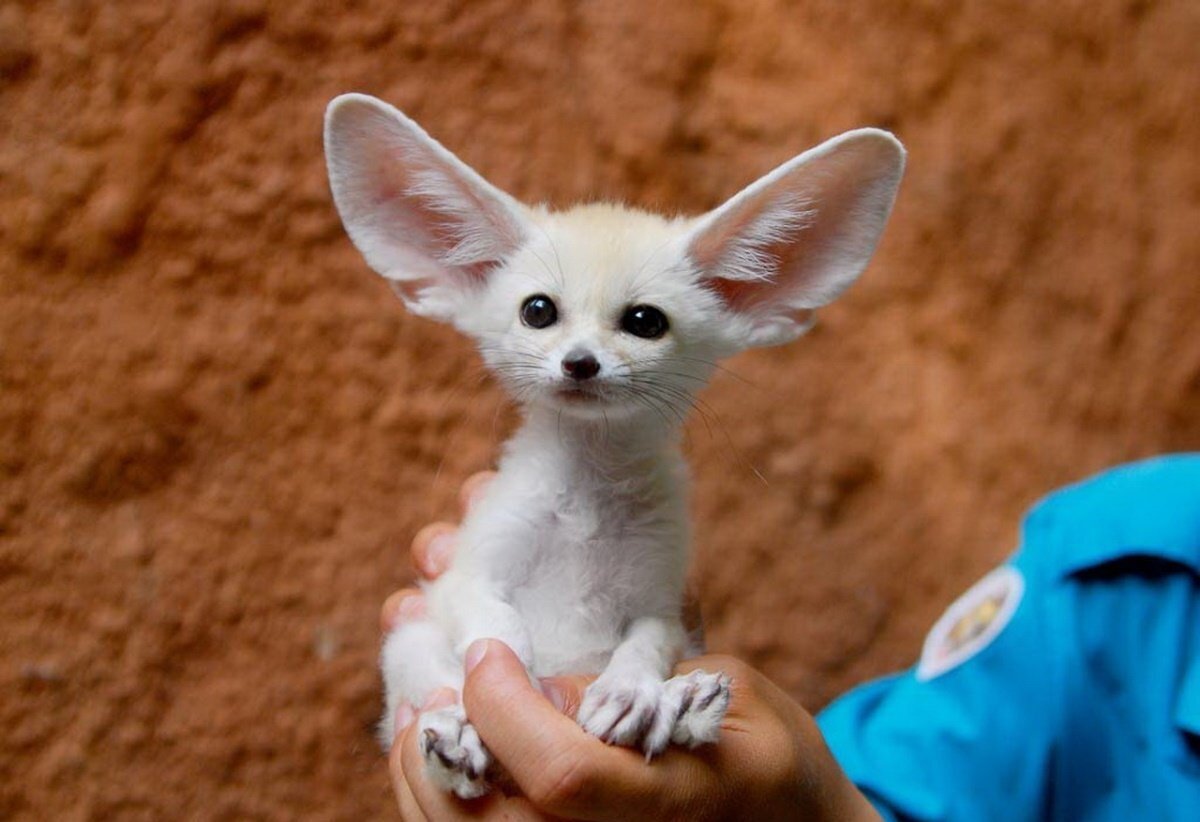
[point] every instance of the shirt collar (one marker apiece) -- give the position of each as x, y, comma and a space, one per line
1149, 508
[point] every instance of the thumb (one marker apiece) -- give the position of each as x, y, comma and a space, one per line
562, 769
523, 729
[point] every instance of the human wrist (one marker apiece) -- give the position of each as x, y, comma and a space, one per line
842, 801
825, 792
852, 806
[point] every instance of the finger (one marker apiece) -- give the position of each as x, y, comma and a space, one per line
433, 549
472, 490
410, 810
441, 698
433, 802
557, 765
405, 714
405, 605
424, 800
565, 692
710, 662
750, 692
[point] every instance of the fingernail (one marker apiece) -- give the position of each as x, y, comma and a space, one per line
475, 654
441, 549
404, 717
410, 608
440, 699
555, 694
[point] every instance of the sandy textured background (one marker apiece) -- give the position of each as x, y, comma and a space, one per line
218, 431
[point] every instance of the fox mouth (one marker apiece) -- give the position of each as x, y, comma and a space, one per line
577, 393
580, 393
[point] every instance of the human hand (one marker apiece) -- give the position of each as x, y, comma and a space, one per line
770, 762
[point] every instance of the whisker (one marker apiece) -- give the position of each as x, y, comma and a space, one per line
557, 260
636, 282
647, 402
545, 265
675, 398
718, 367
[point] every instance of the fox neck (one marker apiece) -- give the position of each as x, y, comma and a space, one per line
618, 447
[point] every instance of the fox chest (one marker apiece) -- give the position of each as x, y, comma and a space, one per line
594, 571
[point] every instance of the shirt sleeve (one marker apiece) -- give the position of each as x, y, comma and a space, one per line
971, 742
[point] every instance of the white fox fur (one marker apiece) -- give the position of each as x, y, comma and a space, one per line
576, 555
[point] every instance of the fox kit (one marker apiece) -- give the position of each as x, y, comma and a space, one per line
602, 322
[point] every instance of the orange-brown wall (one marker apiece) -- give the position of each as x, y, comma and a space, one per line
218, 430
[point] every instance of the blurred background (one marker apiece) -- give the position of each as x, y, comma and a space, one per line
219, 430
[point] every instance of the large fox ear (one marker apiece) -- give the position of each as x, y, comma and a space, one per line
798, 237
421, 217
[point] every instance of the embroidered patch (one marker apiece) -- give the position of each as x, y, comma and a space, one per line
972, 622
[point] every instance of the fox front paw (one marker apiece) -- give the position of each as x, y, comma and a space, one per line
626, 711
702, 698
455, 757
646, 713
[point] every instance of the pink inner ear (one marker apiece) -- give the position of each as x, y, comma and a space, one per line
419, 215
478, 273
709, 247
417, 220
737, 294
710, 251
801, 235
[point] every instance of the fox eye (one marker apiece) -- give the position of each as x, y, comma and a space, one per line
644, 321
539, 311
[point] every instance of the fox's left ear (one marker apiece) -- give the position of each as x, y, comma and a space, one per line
422, 218
797, 238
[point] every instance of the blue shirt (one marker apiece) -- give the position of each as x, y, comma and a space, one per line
1085, 704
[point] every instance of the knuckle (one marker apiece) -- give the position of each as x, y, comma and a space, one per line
422, 553
480, 478
396, 597
427, 533
732, 666
473, 487
400, 607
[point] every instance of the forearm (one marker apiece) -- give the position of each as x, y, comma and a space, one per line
651, 645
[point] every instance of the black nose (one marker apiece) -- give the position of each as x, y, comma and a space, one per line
580, 365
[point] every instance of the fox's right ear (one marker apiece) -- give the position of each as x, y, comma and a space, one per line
421, 217
797, 238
